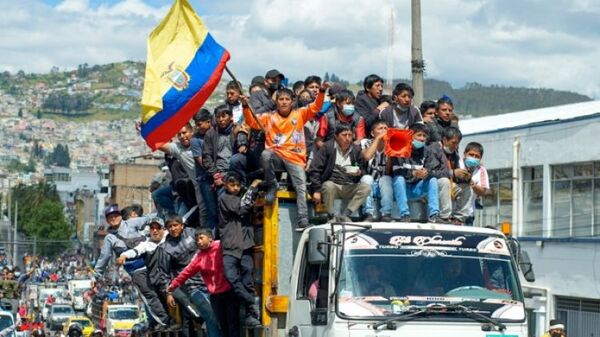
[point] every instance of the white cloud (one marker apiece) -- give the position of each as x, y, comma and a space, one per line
463, 41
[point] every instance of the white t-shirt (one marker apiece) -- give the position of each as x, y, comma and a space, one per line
480, 177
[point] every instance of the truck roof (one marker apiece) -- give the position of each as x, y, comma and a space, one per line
417, 226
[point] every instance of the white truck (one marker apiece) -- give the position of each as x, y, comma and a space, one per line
76, 289
7, 324
387, 279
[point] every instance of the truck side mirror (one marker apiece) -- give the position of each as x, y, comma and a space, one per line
526, 266
318, 249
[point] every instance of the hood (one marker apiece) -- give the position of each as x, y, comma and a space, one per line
435, 329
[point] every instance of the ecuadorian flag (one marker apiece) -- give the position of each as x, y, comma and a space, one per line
183, 67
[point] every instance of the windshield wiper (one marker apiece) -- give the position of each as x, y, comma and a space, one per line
437, 308
476, 314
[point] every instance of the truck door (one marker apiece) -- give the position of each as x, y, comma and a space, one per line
308, 298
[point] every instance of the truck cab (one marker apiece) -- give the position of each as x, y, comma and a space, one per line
7, 324
385, 279
404, 279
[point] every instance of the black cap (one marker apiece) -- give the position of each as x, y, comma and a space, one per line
274, 73
257, 80
114, 208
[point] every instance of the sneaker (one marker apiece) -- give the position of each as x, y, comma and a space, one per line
386, 218
271, 193
369, 218
302, 224
251, 322
436, 219
405, 218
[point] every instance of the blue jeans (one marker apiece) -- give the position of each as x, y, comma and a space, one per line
201, 301
404, 192
381, 189
210, 201
163, 199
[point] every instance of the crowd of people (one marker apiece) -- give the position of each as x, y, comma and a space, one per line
196, 251
331, 144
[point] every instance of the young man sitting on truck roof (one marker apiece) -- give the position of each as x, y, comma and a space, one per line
471, 161
285, 147
413, 177
335, 172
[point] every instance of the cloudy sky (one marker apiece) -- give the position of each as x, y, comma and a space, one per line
533, 43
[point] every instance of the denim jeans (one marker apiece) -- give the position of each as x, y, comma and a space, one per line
382, 190
163, 199
201, 301
408, 191
210, 201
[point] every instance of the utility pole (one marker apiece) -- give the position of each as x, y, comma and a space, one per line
390, 56
15, 234
418, 65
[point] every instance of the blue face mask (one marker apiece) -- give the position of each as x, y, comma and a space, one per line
348, 109
417, 144
471, 162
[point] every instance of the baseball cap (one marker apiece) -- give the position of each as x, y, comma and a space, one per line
273, 73
157, 220
114, 208
257, 80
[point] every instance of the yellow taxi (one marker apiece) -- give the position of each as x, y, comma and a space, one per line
84, 322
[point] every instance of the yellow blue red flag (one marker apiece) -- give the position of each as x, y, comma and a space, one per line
183, 67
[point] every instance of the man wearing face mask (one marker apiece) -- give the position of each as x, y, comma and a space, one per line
557, 329
341, 112
414, 178
479, 183
263, 101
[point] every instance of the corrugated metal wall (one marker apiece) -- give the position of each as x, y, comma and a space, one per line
581, 316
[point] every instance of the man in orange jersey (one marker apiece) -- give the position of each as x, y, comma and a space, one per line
285, 144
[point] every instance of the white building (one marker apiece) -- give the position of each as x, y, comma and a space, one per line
557, 215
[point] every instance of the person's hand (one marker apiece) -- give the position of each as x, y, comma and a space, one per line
380, 138
317, 197
218, 179
244, 101
256, 182
462, 174
420, 173
138, 126
319, 143
171, 301
243, 149
382, 106
120, 260
325, 86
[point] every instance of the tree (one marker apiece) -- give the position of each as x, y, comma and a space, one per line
39, 114
20, 114
41, 215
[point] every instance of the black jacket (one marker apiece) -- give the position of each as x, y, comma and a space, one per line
366, 107
235, 230
210, 147
172, 256
261, 102
437, 161
436, 128
414, 116
323, 163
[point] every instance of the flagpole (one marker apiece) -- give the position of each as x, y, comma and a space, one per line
242, 92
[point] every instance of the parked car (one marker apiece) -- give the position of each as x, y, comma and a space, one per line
59, 314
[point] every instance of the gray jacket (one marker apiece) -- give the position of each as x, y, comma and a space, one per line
128, 229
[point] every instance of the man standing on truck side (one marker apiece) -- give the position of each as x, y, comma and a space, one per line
123, 235
172, 256
146, 250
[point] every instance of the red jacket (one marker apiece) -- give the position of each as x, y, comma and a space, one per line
209, 262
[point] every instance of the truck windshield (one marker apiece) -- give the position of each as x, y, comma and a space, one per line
386, 274
123, 314
5, 322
